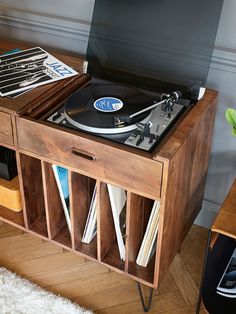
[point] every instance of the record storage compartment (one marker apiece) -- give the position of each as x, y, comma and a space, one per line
45, 217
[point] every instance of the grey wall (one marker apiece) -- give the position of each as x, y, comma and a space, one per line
61, 24
222, 76
65, 25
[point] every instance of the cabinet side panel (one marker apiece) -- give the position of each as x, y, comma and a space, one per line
6, 133
185, 188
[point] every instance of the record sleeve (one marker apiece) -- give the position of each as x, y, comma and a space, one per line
23, 70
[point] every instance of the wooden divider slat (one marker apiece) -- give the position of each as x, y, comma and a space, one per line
25, 224
81, 191
54, 209
34, 194
138, 213
107, 228
55, 215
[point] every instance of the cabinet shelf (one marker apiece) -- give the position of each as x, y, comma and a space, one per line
88, 249
81, 193
33, 194
144, 273
39, 226
63, 237
113, 258
11, 216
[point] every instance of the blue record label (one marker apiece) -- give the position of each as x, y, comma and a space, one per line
108, 104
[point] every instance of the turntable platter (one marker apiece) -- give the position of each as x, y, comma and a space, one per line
93, 108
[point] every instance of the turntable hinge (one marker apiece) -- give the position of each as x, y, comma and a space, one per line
85, 67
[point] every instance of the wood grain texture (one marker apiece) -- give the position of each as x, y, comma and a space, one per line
110, 164
138, 213
40, 94
6, 133
107, 236
10, 194
54, 209
33, 194
185, 186
92, 285
7, 214
225, 222
80, 199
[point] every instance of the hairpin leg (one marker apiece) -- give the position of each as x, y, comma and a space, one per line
146, 307
203, 273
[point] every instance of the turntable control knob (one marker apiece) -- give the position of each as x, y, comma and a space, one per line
56, 116
169, 115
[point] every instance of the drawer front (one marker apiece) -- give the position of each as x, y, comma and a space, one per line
6, 134
108, 163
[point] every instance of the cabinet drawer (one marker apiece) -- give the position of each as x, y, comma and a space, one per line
96, 159
6, 135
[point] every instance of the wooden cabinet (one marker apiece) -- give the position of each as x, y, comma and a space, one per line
174, 174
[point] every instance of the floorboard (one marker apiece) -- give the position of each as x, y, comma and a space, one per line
93, 285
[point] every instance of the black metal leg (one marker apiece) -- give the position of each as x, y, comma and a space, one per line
147, 307
203, 273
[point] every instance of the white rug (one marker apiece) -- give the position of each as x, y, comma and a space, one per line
19, 296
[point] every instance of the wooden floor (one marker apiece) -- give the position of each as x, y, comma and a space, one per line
94, 286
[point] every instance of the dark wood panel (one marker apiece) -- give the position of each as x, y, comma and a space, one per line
108, 163
88, 249
40, 94
138, 213
9, 215
63, 237
6, 134
81, 195
106, 226
55, 213
184, 189
34, 194
225, 222
39, 225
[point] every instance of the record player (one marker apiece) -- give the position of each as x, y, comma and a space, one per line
145, 69
142, 54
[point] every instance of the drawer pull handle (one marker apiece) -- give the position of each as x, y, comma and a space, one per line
83, 154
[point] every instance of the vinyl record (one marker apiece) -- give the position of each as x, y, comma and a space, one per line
94, 107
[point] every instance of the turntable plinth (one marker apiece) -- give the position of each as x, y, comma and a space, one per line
174, 173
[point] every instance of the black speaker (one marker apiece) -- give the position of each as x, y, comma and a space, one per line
8, 168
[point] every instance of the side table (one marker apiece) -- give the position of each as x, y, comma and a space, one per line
220, 246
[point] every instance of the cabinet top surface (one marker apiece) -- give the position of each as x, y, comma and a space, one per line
17, 105
225, 222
